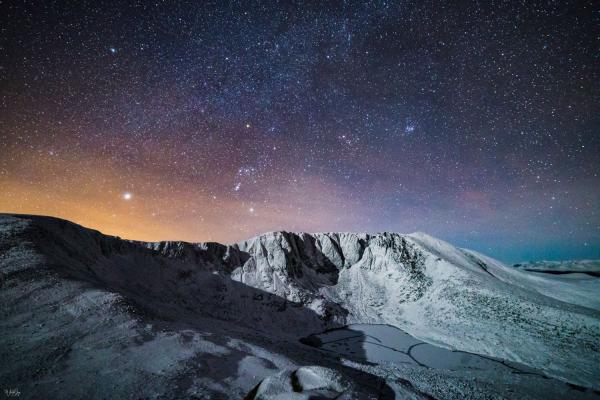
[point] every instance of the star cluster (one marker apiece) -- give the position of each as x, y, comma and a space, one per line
476, 122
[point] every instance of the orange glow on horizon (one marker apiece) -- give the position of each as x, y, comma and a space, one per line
139, 207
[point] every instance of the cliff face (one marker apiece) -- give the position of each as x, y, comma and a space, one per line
293, 284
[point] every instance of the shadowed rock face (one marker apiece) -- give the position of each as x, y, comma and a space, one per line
295, 284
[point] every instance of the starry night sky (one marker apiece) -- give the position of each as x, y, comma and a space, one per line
475, 122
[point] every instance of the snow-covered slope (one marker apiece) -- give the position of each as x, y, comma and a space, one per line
576, 281
288, 285
563, 280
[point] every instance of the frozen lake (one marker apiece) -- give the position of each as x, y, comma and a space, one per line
387, 344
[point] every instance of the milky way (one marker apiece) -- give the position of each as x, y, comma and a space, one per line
478, 123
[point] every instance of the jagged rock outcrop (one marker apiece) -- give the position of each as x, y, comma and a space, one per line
309, 382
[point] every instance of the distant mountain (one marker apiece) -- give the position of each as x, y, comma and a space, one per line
589, 267
210, 320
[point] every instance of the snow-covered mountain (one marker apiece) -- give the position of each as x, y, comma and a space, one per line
214, 320
436, 292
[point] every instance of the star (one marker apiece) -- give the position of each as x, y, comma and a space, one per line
336, 115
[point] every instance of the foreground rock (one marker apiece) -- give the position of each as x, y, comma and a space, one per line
306, 383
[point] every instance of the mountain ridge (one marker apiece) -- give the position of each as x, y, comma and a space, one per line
294, 284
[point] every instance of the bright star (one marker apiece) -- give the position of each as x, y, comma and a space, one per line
127, 196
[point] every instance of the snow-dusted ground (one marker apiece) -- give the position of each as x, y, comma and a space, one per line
87, 315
